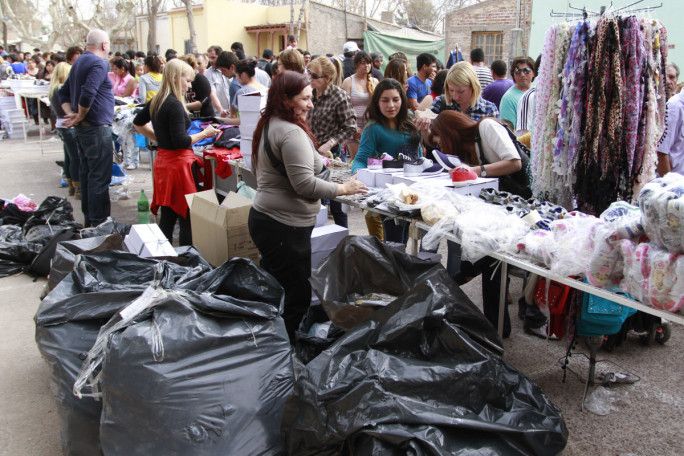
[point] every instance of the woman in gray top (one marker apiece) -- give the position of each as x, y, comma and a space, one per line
288, 196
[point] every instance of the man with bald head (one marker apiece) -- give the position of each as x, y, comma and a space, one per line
87, 100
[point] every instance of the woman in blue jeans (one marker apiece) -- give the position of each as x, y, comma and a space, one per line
72, 160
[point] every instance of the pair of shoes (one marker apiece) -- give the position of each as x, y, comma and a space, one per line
130, 167
522, 307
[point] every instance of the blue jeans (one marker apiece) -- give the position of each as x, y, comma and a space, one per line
96, 150
72, 160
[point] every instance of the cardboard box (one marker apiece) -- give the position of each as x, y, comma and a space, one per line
250, 107
480, 184
148, 241
219, 231
246, 151
324, 240
322, 216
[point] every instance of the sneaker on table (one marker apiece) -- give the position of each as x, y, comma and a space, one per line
448, 162
462, 176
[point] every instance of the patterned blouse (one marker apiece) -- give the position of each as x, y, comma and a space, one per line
332, 116
482, 109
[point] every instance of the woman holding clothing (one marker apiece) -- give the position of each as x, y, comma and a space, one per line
486, 148
359, 86
332, 118
284, 212
388, 130
173, 167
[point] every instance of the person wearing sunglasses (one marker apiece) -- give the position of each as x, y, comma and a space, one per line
522, 71
332, 118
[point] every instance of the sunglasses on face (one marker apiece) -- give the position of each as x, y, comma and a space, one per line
523, 71
314, 76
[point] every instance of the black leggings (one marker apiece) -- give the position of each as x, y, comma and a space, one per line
286, 254
167, 222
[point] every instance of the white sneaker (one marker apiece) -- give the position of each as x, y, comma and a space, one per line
130, 167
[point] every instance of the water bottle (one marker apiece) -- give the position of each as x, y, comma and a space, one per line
143, 209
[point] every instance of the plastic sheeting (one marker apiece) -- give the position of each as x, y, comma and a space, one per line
422, 377
203, 369
69, 320
361, 265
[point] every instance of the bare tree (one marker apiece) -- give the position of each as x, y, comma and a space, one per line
300, 18
65, 23
191, 25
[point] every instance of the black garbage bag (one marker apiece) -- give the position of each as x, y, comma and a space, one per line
203, 369
65, 254
68, 322
16, 253
40, 266
421, 378
10, 214
308, 346
109, 226
52, 211
361, 266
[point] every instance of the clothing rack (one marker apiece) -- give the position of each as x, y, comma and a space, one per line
584, 13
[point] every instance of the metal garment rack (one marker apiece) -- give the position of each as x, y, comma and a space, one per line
584, 13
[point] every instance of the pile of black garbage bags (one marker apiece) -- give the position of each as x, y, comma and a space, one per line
168, 356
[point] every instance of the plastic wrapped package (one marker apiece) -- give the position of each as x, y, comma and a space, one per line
482, 228
620, 221
653, 275
662, 207
202, 369
361, 265
68, 321
423, 377
109, 226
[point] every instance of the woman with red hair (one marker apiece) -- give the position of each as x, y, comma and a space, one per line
288, 196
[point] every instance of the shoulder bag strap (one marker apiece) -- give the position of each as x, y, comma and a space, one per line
277, 164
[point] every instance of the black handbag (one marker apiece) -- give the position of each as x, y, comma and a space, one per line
280, 166
518, 182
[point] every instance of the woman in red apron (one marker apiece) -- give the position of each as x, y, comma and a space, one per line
165, 119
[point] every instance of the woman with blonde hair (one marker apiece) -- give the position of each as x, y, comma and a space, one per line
462, 93
332, 118
359, 86
173, 167
72, 161
292, 60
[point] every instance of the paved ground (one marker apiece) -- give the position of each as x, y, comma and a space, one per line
647, 419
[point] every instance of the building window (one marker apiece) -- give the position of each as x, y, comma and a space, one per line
490, 42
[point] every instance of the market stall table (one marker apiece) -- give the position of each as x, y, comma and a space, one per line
38, 92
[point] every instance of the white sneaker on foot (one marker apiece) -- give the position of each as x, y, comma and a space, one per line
129, 167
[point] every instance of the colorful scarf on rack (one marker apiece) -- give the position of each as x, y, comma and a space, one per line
601, 169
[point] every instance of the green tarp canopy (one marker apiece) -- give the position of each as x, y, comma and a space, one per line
387, 43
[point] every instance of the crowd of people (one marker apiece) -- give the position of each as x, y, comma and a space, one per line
319, 107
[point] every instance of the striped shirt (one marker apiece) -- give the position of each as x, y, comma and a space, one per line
525, 118
484, 75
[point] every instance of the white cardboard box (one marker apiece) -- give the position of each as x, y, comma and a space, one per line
219, 231
148, 241
322, 216
480, 184
324, 240
246, 151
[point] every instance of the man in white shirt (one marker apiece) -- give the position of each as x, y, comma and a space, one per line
220, 84
671, 145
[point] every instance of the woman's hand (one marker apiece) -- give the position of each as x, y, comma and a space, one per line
324, 149
422, 124
352, 187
